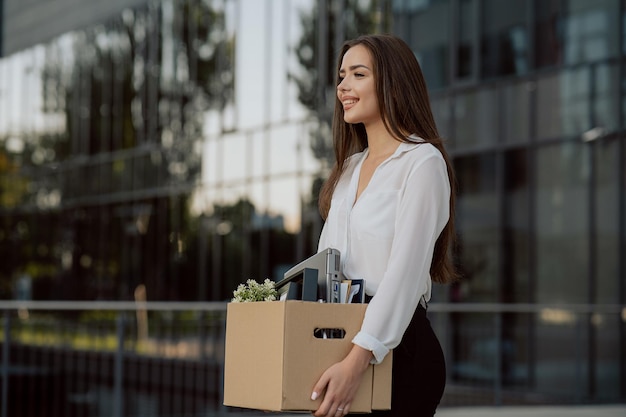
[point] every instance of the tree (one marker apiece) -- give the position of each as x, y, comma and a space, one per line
316, 81
131, 96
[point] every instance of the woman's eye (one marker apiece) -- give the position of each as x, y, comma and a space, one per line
358, 75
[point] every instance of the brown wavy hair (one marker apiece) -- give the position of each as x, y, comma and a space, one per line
404, 106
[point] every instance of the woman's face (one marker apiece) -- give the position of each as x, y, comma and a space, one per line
356, 90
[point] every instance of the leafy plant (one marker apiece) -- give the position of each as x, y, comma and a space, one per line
253, 291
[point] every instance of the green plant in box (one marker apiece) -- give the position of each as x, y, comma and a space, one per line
253, 291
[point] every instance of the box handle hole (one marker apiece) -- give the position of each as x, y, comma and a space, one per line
325, 333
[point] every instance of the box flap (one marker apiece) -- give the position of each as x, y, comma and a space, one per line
381, 388
259, 325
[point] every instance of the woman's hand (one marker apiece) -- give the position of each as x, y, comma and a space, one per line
340, 383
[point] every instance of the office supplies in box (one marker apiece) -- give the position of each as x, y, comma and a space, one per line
274, 358
326, 263
301, 286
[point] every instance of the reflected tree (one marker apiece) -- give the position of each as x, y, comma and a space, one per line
234, 248
146, 78
129, 99
317, 54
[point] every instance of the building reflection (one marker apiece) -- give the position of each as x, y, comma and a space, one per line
178, 146
124, 164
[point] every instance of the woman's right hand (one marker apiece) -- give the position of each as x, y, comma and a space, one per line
340, 383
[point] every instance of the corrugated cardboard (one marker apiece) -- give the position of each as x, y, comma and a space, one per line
273, 358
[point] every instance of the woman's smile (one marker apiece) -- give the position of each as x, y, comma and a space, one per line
348, 102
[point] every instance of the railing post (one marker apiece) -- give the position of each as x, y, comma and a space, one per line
498, 364
118, 380
5, 363
202, 335
221, 408
580, 360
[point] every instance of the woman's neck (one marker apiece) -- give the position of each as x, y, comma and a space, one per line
380, 142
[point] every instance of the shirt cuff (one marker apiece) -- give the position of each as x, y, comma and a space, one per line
372, 344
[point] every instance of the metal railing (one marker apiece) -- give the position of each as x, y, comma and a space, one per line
165, 359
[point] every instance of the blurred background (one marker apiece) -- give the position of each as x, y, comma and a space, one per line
156, 153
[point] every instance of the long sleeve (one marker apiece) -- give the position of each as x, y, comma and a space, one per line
422, 212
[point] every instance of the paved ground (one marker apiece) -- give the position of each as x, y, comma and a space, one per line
535, 411
517, 411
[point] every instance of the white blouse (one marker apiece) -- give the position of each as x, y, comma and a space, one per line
387, 236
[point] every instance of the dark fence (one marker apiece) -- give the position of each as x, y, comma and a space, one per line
124, 359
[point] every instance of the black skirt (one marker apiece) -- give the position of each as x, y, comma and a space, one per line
419, 371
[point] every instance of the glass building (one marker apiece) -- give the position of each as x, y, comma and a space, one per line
531, 96
180, 144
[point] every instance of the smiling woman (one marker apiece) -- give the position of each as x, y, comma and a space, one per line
389, 206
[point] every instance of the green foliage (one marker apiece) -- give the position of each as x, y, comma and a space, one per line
252, 291
358, 17
316, 90
13, 187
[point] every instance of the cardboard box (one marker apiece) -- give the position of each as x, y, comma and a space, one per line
273, 357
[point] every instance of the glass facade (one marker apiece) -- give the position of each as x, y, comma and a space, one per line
180, 146
1, 27
530, 96
136, 152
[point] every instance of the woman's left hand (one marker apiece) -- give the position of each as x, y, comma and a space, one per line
340, 382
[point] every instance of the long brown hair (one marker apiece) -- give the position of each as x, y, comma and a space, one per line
404, 106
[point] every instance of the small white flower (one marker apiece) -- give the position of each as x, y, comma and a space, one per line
253, 291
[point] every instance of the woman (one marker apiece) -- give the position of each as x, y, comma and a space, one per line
388, 206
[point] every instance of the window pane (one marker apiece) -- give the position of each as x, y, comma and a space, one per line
562, 246
434, 62
284, 203
515, 280
234, 163
591, 30
563, 104
427, 33
607, 218
473, 351
283, 152
440, 106
576, 31
477, 223
466, 28
606, 98
516, 112
608, 357
607, 328
504, 40
623, 17
548, 37
560, 368
476, 121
